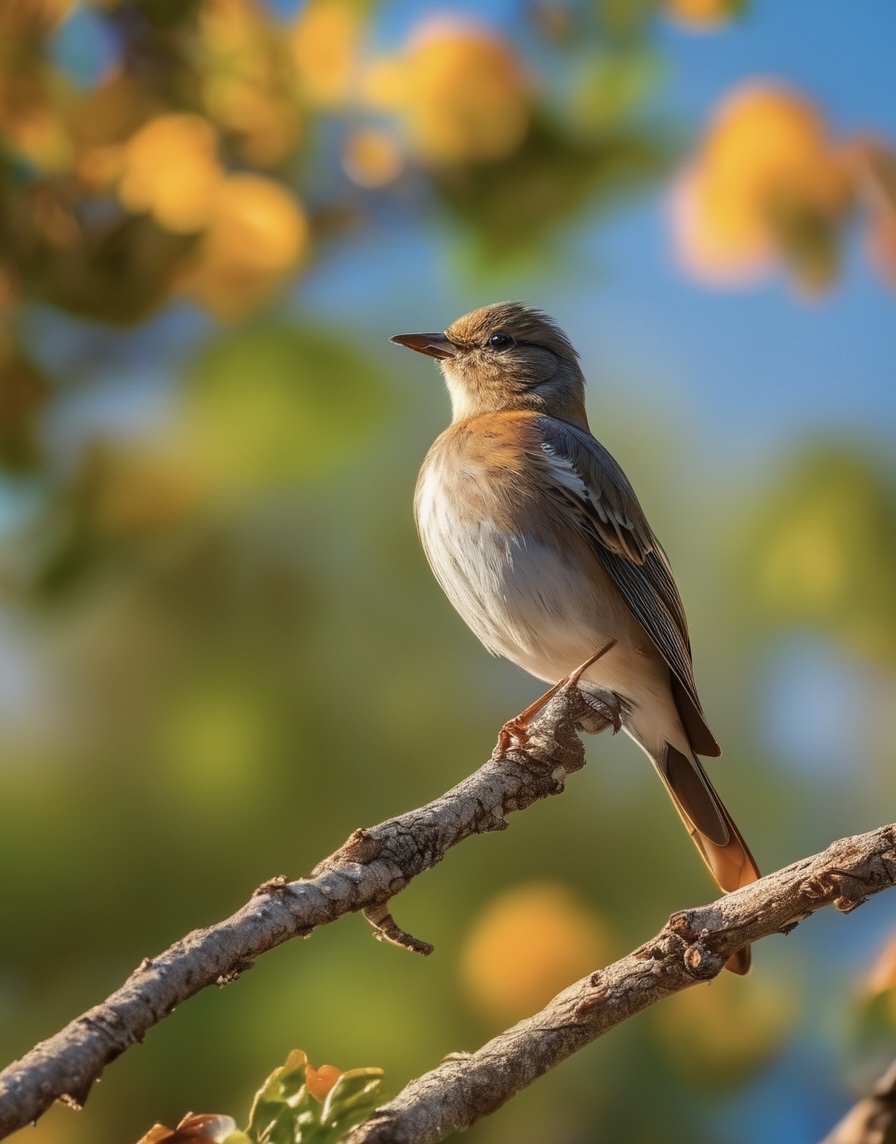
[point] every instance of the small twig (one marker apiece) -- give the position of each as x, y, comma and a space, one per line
374, 865
387, 929
367, 871
691, 948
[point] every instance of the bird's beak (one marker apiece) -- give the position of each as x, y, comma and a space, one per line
434, 345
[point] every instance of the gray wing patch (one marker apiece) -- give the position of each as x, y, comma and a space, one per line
592, 485
598, 490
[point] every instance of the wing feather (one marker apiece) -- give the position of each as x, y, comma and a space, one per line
594, 489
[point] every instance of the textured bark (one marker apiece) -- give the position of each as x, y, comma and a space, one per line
370, 868
692, 947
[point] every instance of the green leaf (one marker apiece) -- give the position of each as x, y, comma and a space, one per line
285, 1112
351, 1099
282, 1092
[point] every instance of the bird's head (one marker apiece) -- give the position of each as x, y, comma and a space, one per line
506, 356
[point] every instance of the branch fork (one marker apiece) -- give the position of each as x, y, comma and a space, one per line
372, 866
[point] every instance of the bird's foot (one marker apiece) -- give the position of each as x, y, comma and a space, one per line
515, 732
606, 711
512, 730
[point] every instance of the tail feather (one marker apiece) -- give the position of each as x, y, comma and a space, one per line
711, 826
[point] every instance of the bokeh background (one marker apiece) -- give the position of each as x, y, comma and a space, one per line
220, 647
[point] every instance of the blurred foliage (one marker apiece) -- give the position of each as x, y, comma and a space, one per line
203, 150
256, 412
549, 176
220, 650
23, 392
730, 1032
529, 943
298, 1104
874, 1017
160, 174
826, 545
768, 184
704, 15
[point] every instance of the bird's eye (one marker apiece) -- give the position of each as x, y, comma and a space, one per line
500, 341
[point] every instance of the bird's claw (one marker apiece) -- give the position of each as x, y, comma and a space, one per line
607, 711
607, 706
515, 732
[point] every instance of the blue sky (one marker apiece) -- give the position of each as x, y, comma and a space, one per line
747, 369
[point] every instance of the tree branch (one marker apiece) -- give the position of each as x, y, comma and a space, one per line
370, 868
376, 864
692, 947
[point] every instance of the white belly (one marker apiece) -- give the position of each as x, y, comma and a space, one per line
543, 606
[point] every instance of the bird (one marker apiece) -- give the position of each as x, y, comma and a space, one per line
537, 538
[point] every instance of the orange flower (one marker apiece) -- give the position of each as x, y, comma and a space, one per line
702, 15
256, 233
171, 170
465, 94
765, 174
371, 158
246, 80
529, 943
385, 84
325, 50
320, 1081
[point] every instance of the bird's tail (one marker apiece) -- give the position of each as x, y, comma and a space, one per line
710, 825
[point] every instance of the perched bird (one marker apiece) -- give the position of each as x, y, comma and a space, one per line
538, 540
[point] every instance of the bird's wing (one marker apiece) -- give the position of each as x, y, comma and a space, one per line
589, 485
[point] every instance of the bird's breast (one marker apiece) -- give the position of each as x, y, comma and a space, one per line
527, 586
